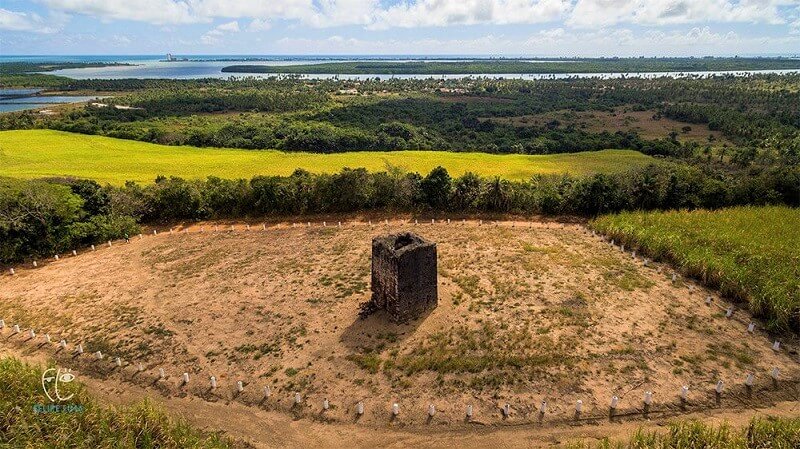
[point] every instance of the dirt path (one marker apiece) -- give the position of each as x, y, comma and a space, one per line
528, 312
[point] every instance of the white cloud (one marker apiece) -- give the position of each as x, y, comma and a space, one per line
158, 12
381, 14
598, 13
213, 36
438, 13
259, 25
20, 21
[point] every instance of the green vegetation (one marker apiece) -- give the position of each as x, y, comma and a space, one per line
46, 217
740, 120
769, 432
511, 66
93, 425
749, 253
40, 153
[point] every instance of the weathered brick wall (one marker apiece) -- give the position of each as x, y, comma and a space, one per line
404, 276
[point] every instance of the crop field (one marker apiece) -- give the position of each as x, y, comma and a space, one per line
527, 313
41, 153
749, 253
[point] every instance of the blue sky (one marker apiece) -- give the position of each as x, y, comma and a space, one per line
489, 27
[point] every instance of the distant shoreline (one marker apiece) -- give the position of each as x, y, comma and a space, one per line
524, 66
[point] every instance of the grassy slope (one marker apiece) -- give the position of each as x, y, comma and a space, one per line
139, 426
37, 153
750, 253
777, 433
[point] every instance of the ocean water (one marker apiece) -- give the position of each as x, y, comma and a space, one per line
210, 66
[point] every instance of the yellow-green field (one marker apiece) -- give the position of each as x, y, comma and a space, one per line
39, 153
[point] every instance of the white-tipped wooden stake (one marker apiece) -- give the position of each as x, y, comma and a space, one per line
297, 398
155, 232
247, 227
31, 333
308, 224
213, 383
324, 224
216, 228
170, 231
267, 392
749, 380
185, 378
360, 408
369, 222
15, 329
729, 312
2, 324
543, 407
648, 398
684, 392
140, 367
93, 248
751, 327
395, 409
12, 272
98, 355
674, 277
416, 222
506, 410
339, 224
109, 243
55, 257
776, 346
469, 411
264, 226
633, 254
141, 236
775, 373
161, 373
118, 362
448, 221
614, 402
386, 222
80, 348
622, 248
185, 230
63, 344
233, 228
720, 386
431, 410
239, 386
709, 299
325, 404
480, 222
47, 338
74, 253
578, 406
433, 220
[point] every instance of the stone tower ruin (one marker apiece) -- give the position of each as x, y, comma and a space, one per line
404, 276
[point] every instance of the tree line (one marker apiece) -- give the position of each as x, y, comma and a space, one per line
42, 217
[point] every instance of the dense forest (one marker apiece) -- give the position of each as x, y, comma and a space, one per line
759, 116
504, 66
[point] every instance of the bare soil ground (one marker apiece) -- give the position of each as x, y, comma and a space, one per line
527, 313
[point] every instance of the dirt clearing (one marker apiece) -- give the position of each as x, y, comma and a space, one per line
527, 313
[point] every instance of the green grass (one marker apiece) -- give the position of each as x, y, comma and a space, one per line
749, 253
773, 433
140, 426
40, 153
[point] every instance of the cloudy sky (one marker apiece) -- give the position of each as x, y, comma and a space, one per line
434, 27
